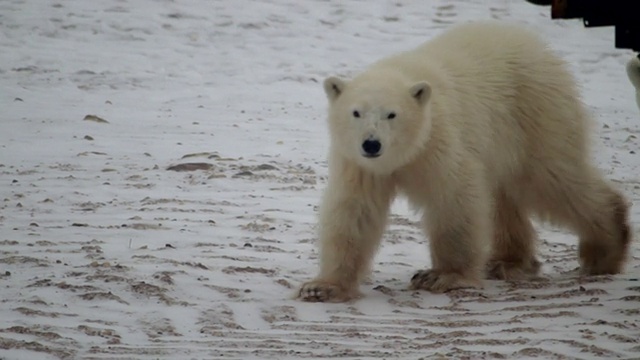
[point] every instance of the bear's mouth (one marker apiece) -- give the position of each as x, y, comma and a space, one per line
372, 156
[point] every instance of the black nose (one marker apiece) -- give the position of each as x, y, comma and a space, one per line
371, 147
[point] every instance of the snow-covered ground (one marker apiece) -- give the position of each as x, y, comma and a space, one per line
106, 254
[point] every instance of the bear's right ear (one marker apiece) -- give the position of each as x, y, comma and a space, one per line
333, 87
421, 92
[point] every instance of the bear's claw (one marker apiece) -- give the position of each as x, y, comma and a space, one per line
322, 291
438, 281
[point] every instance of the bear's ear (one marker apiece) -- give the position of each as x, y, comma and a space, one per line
421, 92
333, 87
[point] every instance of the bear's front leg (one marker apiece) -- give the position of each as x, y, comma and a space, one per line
353, 215
460, 228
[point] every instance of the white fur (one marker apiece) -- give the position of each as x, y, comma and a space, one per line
633, 71
488, 129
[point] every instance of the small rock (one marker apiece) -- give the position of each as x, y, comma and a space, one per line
34, 224
191, 167
243, 173
198, 154
18, 99
95, 118
265, 167
80, 224
247, 245
87, 137
86, 153
385, 290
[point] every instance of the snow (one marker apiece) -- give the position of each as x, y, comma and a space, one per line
105, 254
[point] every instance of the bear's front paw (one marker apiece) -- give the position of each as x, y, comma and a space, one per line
324, 291
438, 281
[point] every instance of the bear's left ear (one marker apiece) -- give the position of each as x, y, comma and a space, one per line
421, 92
333, 87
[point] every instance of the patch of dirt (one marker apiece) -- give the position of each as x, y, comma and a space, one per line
65, 286
151, 290
159, 328
285, 283
146, 226
191, 166
47, 335
216, 320
110, 335
191, 264
17, 259
60, 353
279, 313
33, 312
232, 293
247, 269
102, 296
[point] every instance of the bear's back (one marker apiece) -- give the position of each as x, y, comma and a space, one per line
496, 87
487, 55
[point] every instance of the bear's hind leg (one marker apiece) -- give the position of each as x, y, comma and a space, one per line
577, 196
513, 256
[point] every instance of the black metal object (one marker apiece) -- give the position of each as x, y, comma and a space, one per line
624, 15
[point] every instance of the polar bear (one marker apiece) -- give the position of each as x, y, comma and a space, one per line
480, 128
633, 72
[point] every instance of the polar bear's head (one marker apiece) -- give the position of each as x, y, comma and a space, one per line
379, 121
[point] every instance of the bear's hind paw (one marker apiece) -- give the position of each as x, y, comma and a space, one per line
514, 271
323, 291
438, 281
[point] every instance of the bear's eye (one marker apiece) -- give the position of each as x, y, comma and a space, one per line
391, 116
356, 113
